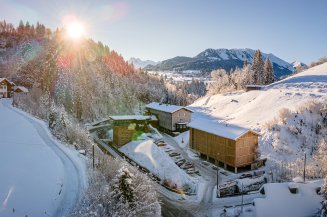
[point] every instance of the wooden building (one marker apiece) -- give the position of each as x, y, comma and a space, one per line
20, 89
225, 145
128, 127
172, 118
6, 88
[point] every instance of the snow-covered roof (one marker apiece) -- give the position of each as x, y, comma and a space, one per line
23, 89
229, 131
165, 107
133, 117
4, 79
279, 201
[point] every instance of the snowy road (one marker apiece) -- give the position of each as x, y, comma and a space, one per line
38, 176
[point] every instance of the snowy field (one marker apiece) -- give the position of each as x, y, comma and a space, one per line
38, 176
254, 108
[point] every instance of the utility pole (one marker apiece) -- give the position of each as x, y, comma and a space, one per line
217, 180
242, 199
217, 175
93, 155
305, 162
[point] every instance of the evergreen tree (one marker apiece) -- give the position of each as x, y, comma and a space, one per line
21, 28
123, 187
324, 195
257, 68
268, 77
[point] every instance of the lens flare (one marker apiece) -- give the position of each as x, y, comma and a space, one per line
75, 30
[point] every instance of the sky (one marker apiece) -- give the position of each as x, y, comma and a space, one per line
158, 30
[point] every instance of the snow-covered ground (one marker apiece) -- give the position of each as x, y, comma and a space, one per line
279, 201
156, 160
38, 175
254, 108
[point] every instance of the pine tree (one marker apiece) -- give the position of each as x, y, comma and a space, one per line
268, 77
257, 68
324, 195
123, 189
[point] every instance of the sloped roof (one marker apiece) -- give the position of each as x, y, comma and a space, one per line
165, 107
229, 131
5, 79
23, 89
133, 117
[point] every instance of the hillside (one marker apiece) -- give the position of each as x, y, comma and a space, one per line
227, 59
254, 108
291, 116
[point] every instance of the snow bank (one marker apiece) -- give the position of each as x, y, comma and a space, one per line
150, 156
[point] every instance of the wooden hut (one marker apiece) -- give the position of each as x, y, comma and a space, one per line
225, 145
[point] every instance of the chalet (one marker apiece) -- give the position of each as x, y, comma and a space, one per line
128, 127
6, 88
20, 89
172, 118
225, 145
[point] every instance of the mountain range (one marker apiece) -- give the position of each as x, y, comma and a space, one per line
138, 63
228, 59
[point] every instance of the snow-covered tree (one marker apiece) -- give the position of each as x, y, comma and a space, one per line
257, 68
268, 77
123, 188
324, 196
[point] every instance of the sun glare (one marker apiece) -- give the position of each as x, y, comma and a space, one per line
75, 30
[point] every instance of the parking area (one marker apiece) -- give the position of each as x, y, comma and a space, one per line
177, 157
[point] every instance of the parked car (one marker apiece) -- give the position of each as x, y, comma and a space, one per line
180, 162
158, 141
192, 171
187, 166
246, 175
168, 150
161, 144
173, 154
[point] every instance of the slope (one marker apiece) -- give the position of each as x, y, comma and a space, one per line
254, 108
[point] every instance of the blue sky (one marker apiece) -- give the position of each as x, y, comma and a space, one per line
157, 30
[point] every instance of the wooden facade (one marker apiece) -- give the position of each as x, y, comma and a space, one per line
171, 118
6, 88
127, 128
235, 153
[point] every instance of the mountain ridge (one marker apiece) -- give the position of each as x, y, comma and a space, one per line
228, 59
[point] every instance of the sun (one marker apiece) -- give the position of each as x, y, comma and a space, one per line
75, 30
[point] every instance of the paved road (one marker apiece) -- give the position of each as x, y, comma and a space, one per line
54, 176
